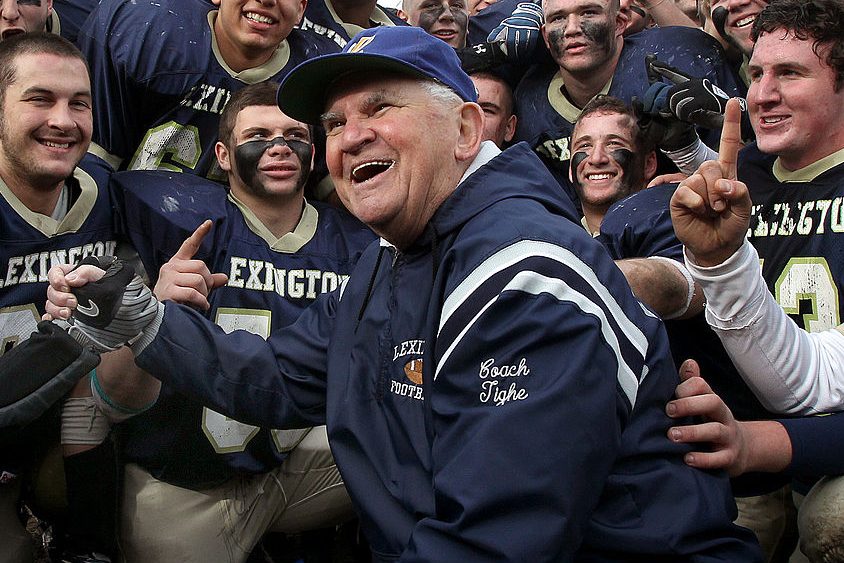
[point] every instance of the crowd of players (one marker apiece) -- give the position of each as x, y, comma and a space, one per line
182, 101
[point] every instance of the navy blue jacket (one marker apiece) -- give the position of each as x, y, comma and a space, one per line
493, 392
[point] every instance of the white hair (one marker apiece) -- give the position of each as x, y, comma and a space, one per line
441, 93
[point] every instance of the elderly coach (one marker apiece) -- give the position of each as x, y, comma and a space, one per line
493, 391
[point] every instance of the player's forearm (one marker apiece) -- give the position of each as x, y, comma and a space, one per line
790, 370
768, 444
661, 284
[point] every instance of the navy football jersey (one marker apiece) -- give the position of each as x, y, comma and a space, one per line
67, 17
161, 83
271, 280
321, 19
797, 221
546, 116
639, 226
31, 243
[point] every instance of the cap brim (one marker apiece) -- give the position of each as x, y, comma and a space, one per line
304, 92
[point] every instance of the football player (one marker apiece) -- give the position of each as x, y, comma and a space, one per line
279, 252
55, 207
340, 20
63, 17
167, 69
592, 56
795, 183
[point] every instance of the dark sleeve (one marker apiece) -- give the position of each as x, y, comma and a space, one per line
817, 443
278, 383
640, 226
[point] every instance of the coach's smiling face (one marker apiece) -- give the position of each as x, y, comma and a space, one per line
394, 153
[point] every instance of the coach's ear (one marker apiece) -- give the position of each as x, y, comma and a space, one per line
223, 156
471, 131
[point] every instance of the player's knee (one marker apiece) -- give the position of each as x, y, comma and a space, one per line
821, 521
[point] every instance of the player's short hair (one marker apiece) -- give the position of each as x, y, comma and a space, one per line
260, 94
509, 100
33, 43
612, 105
819, 20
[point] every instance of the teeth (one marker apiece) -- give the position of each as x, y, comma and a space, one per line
57, 145
369, 170
258, 18
603, 176
772, 119
744, 22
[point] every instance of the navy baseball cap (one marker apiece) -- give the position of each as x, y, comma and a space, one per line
391, 50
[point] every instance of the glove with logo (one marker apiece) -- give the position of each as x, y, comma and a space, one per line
113, 310
482, 56
689, 99
520, 31
666, 132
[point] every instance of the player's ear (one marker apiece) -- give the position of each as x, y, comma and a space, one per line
510, 130
302, 5
49, 7
650, 166
471, 131
544, 33
223, 156
216, 2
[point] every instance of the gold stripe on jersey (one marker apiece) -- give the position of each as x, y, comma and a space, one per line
808, 173
278, 61
377, 16
72, 221
561, 104
289, 242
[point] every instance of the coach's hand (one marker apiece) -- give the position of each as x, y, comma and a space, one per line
186, 280
711, 209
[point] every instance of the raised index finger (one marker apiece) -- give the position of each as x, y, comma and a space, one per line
730, 139
191, 245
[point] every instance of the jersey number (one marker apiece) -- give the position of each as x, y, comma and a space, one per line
166, 147
227, 434
16, 325
806, 291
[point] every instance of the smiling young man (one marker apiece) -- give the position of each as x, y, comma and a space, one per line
437, 364
795, 177
167, 69
611, 158
591, 56
54, 205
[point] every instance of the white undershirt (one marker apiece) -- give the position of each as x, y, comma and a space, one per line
790, 370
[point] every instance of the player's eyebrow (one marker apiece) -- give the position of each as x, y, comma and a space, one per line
38, 90
256, 129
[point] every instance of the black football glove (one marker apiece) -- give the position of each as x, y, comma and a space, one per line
483, 56
113, 310
38, 372
689, 99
